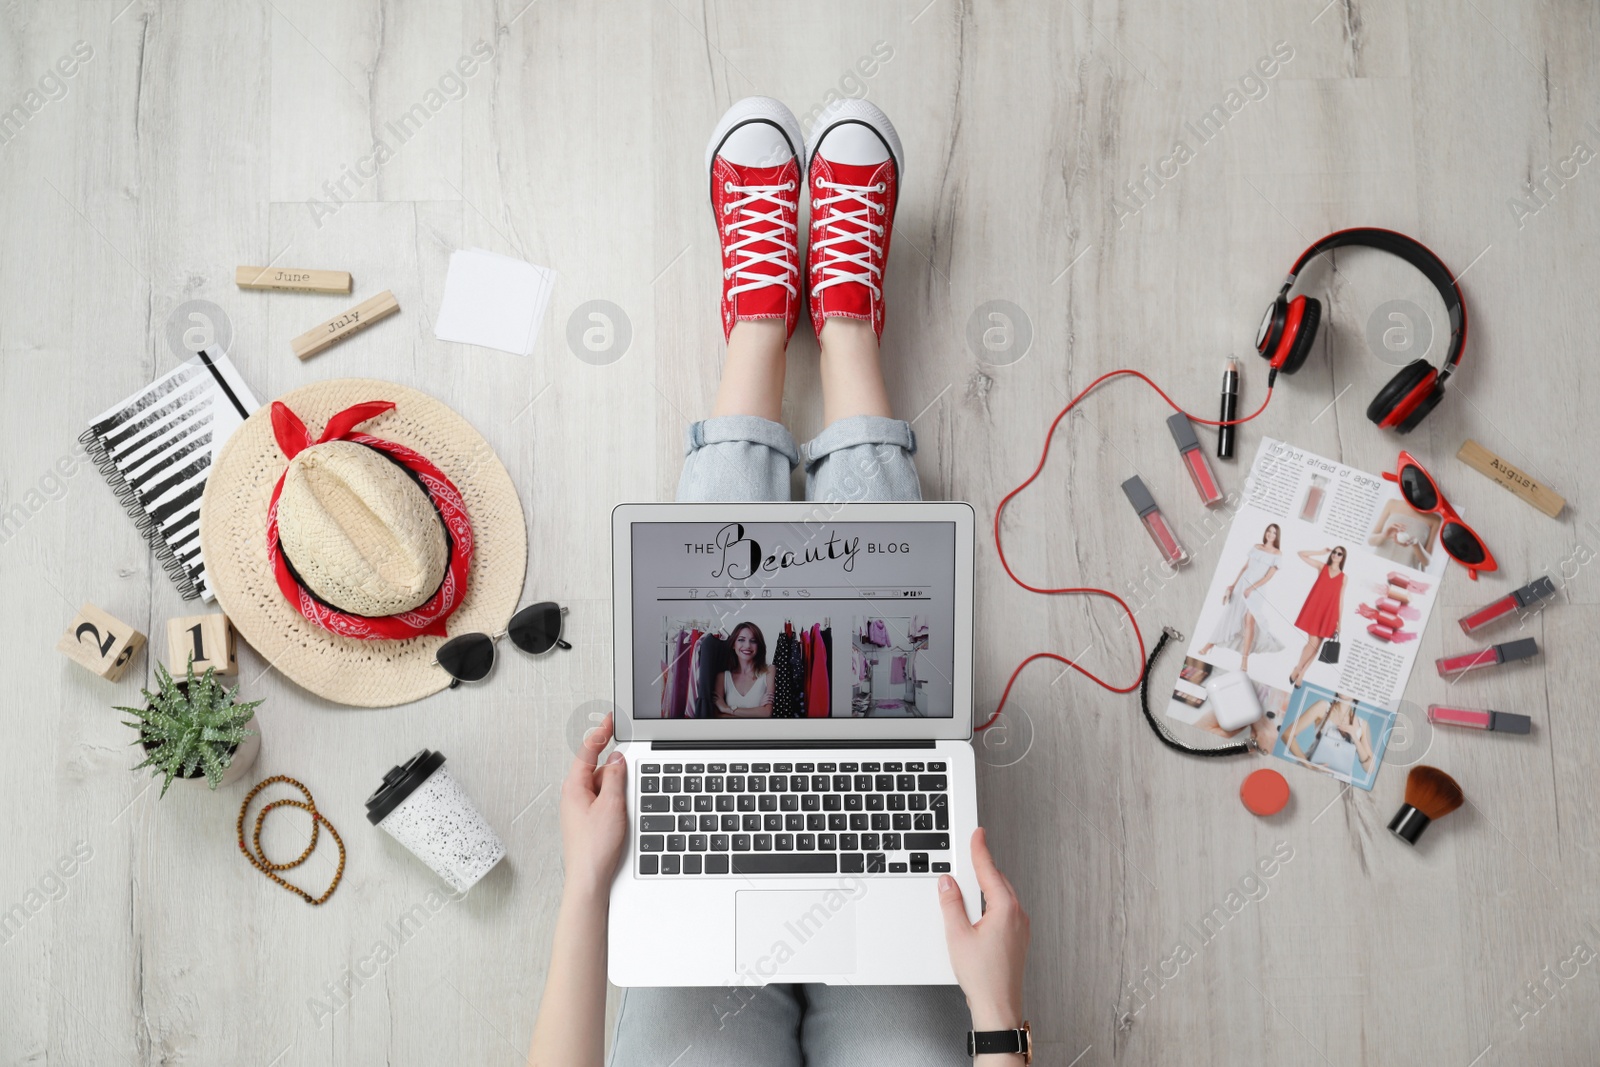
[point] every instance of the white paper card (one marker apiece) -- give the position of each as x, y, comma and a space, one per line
493, 301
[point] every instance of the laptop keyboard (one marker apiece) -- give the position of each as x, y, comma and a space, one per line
793, 818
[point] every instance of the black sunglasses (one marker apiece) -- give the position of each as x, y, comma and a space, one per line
535, 629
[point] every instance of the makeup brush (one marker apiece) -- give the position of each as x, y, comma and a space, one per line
1430, 794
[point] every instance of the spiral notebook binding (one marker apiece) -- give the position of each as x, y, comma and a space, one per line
128, 497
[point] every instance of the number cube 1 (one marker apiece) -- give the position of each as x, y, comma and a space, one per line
209, 638
100, 643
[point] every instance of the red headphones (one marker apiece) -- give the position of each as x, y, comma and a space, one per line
1290, 326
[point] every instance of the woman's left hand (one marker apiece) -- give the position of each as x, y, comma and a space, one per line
594, 815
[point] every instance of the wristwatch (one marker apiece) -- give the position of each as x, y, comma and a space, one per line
1002, 1042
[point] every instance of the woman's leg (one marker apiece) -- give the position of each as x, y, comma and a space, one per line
1299, 672
743, 452
1247, 641
752, 372
924, 1025
723, 1026
852, 377
863, 452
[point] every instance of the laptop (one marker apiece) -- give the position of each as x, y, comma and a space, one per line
794, 698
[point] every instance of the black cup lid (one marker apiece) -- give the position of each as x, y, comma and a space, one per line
400, 782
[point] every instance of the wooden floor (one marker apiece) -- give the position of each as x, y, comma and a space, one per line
1042, 171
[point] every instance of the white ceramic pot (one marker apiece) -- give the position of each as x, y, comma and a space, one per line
244, 757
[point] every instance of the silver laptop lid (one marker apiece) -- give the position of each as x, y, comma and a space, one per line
778, 613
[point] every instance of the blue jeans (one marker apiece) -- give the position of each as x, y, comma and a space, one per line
745, 457
742, 457
783, 1025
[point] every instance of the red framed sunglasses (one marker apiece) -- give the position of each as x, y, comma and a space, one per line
1460, 541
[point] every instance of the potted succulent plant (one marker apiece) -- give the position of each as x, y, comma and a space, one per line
194, 729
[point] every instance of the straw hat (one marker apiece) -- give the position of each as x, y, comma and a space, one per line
363, 537
362, 534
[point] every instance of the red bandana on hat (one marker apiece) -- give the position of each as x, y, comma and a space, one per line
430, 618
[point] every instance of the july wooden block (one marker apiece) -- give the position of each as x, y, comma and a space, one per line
292, 279
100, 643
209, 638
1509, 477
345, 324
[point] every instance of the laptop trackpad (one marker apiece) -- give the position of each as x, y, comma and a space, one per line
795, 932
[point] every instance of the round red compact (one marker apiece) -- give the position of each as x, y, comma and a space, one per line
1264, 792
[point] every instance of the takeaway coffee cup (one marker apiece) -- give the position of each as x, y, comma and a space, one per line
421, 806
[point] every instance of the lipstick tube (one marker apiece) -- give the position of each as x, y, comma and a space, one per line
1156, 523
1390, 605
1195, 459
1503, 722
1493, 656
1535, 591
1230, 404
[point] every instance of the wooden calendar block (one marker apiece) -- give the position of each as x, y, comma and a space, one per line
208, 637
100, 643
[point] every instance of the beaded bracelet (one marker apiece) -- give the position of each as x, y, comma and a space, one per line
258, 858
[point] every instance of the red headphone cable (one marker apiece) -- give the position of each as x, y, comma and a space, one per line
1088, 589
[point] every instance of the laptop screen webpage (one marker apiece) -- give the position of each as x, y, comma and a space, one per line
779, 620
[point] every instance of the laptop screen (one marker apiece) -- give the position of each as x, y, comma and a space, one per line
793, 620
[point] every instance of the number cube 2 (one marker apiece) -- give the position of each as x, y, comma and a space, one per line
209, 638
100, 643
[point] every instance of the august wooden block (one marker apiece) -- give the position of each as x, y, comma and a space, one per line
345, 324
292, 279
100, 643
1510, 477
209, 638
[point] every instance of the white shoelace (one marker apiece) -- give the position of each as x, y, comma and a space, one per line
785, 236
837, 263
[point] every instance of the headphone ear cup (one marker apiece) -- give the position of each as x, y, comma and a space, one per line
1425, 405
1305, 334
1399, 400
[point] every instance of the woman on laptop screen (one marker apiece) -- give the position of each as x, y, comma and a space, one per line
745, 691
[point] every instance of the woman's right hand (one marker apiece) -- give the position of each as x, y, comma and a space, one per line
1227, 594
594, 815
988, 956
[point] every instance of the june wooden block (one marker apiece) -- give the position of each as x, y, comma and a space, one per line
100, 643
1509, 477
345, 324
292, 279
209, 638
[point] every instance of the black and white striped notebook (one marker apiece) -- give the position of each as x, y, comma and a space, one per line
156, 449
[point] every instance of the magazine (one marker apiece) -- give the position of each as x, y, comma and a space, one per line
1323, 588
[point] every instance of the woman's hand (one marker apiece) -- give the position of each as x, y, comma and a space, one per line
1227, 594
594, 815
988, 956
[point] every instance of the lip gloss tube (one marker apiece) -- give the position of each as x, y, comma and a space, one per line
1503, 722
1194, 458
1155, 522
1493, 656
1535, 591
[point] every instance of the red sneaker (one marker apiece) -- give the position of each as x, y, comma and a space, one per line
855, 170
753, 160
